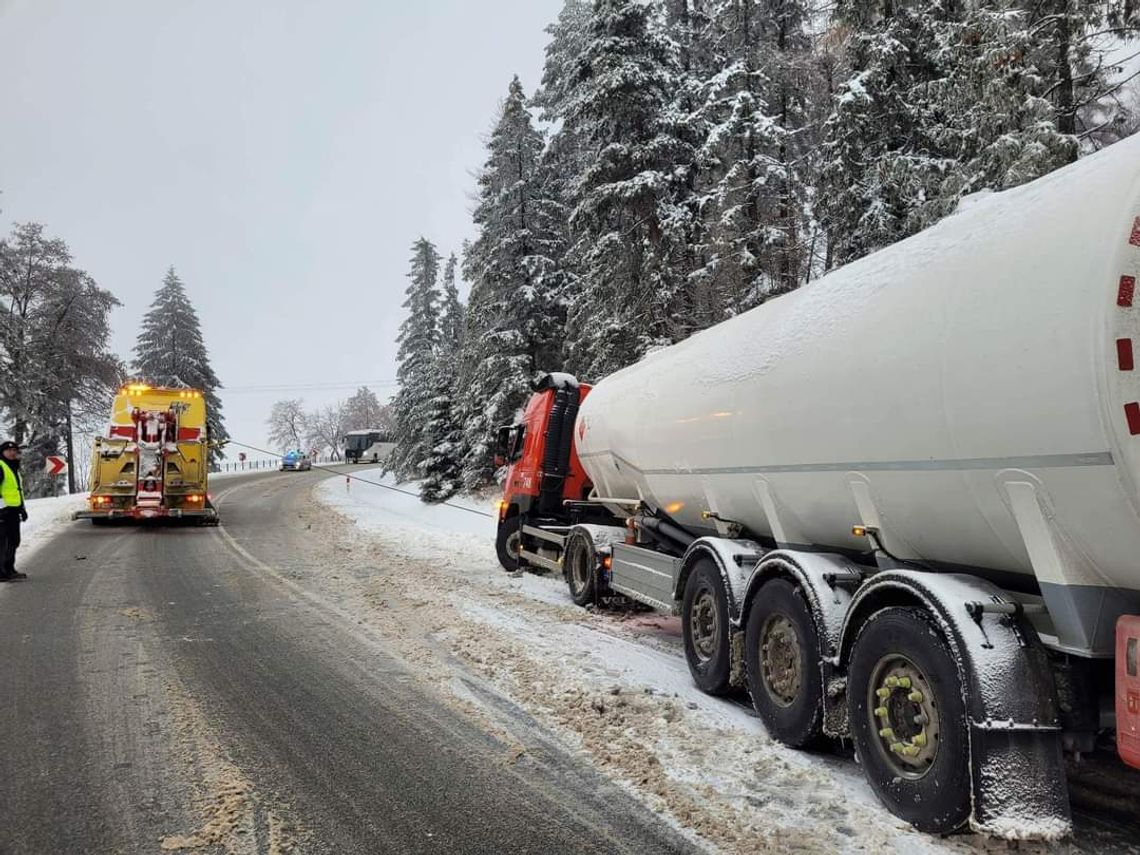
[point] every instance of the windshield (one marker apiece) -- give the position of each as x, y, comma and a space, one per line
357, 442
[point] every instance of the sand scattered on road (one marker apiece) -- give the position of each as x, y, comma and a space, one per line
233, 815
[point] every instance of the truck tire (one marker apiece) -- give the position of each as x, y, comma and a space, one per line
704, 625
908, 720
782, 662
507, 543
580, 566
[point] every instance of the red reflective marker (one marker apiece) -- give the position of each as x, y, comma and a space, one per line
1127, 289
1132, 411
1124, 354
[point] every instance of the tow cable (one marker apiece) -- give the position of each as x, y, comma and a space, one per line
363, 480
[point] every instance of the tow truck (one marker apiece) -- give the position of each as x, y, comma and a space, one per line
153, 460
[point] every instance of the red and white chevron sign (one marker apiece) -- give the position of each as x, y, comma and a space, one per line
55, 465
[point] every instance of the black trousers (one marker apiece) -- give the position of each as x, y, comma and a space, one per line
9, 540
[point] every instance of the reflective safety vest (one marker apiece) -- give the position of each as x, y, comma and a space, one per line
11, 496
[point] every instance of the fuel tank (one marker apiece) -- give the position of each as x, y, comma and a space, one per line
971, 391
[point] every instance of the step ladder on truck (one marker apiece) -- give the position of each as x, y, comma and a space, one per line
153, 461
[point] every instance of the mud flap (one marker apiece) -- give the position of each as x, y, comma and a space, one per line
1017, 760
1019, 783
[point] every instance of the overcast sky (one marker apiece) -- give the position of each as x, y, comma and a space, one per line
282, 155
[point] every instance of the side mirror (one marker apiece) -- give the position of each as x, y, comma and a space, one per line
518, 435
502, 444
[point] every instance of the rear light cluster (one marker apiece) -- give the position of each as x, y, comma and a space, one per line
1128, 689
101, 500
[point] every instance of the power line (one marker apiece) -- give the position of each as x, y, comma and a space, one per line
306, 387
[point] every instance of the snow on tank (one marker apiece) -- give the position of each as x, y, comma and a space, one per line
971, 391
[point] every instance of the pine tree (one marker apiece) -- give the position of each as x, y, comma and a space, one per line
881, 166
419, 335
170, 351
443, 435
569, 36
514, 315
993, 117
949, 98
684, 24
758, 150
442, 465
565, 158
1072, 46
627, 226
450, 315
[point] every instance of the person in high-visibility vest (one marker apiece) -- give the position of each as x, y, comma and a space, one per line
12, 510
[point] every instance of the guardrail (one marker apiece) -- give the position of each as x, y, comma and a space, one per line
266, 463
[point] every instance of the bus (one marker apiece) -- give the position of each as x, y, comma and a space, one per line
367, 446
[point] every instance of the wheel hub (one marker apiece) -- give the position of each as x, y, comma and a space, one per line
780, 659
704, 624
904, 712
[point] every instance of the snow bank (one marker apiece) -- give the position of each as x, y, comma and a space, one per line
46, 517
379, 503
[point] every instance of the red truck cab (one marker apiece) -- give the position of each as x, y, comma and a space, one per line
543, 471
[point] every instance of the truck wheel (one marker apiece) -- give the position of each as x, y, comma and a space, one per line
704, 624
507, 543
580, 566
781, 657
908, 720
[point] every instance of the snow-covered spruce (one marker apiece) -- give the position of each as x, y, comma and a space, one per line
628, 230
440, 465
514, 318
419, 336
170, 351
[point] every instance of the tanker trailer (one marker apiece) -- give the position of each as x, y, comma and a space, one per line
904, 498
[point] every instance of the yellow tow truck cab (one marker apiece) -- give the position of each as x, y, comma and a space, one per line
153, 461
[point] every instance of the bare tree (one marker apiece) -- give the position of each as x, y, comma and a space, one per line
54, 358
288, 423
325, 429
362, 411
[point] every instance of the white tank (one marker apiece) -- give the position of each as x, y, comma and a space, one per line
970, 391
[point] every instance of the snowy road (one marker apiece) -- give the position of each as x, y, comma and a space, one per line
339, 668
173, 689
